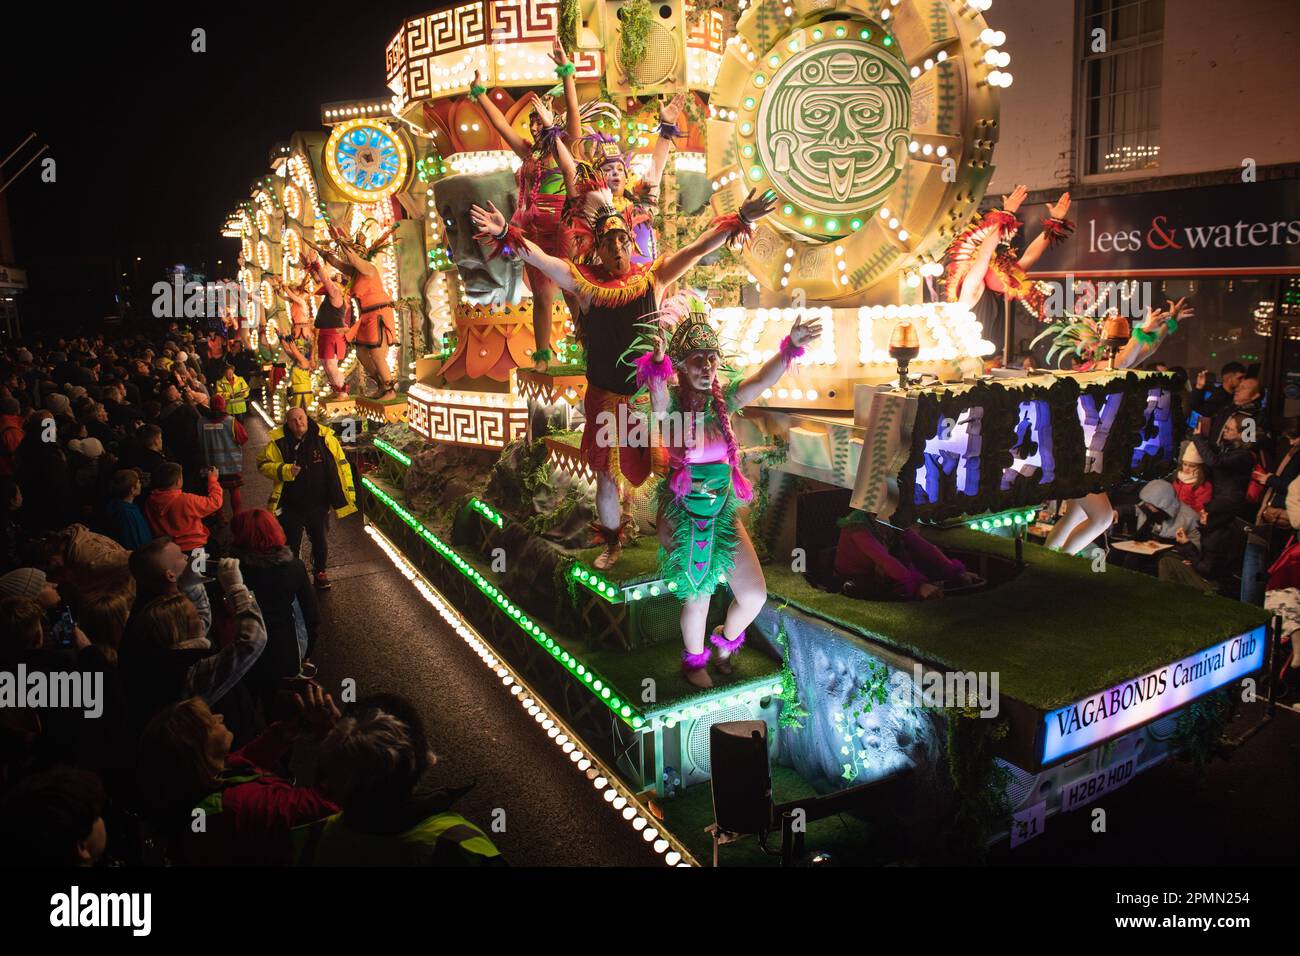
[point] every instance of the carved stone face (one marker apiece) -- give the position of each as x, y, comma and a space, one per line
833, 126
499, 281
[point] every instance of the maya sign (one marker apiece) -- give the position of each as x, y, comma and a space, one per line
1136, 701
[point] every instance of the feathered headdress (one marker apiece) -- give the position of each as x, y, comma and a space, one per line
604, 149
684, 321
1074, 335
606, 218
693, 333
360, 245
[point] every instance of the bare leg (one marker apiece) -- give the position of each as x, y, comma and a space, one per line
694, 613
1098, 514
373, 362
609, 507
1071, 517
332, 373
543, 301
747, 585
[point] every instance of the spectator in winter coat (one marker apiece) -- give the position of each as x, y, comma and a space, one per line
222, 438
11, 535
372, 764
1219, 550
235, 391
284, 591
145, 453
1228, 460
1191, 484
45, 476
178, 515
1208, 402
124, 522
166, 655
180, 429
186, 763
54, 819
11, 435
1161, 515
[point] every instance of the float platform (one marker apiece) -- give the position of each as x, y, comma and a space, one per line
1094, 669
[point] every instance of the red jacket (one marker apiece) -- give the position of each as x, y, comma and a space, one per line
247, 821
179, 515
1194, 498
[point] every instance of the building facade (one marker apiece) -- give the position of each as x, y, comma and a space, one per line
1172, 125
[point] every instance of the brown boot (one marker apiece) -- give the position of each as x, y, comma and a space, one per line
612, 538
726, 649
695, 669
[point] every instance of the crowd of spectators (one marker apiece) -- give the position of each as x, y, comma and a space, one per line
157, 695
1225, 520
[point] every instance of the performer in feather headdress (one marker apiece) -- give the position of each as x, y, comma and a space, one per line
541, 187
606, 180
981, 256
612, 296
703, 542
376, 326
299, 345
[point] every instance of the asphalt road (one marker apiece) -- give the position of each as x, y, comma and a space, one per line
379, 631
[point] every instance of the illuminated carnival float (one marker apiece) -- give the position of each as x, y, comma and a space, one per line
875, 125
355, 178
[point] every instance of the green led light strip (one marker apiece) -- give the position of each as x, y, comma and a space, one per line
593, 582
487, 511
1006, 519
392, 452
585, 575
598, 686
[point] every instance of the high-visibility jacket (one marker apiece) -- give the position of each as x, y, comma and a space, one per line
235, 392
444, 839
272, 464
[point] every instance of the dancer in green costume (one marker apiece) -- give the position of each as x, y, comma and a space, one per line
703, 543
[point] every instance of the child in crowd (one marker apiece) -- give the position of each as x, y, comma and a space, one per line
1192, 485
124, 522
178, 515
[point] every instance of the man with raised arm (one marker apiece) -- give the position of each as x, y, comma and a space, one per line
613, 295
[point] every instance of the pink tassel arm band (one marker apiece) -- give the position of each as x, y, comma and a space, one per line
790, 351
650, 369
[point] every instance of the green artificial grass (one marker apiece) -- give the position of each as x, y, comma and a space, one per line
846, 838
640, 561
1055, 633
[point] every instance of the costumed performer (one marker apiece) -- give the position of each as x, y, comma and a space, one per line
981, 256
329, 345
702, 540
613, 296
300, 344
607, 180
1085, 519
376, 326
541, 192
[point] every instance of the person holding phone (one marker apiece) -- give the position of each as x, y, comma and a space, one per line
60, 628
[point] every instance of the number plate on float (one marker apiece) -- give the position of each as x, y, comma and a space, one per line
1089, 788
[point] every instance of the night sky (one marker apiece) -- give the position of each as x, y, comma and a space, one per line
154, 143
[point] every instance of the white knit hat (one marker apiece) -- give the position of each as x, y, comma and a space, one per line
1190, 455
90, 447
